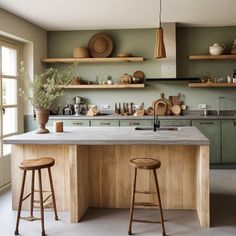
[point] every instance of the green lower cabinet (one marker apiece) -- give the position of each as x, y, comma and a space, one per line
136, 122
229, 141
175, 122
104, 123
212, 130
71, 122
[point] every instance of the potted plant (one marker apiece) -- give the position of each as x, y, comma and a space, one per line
43, 89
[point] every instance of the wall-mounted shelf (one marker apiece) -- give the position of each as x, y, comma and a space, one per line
92, 60
106, 86
209, 85
210, 57
170, 79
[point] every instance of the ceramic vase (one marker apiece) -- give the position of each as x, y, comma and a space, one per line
42, 116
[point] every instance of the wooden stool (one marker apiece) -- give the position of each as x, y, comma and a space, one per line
146, 164
33, 165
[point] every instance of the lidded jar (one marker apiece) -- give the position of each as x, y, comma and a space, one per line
216, 49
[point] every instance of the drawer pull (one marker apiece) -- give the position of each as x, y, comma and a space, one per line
206, 123
134, 123
105, 123
77, 123
234, 123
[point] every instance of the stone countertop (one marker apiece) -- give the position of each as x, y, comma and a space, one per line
112, 136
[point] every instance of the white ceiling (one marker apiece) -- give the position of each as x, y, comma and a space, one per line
121, 14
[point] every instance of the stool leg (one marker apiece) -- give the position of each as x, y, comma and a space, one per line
41, 202
20, 203
159, 201
132, 203
32, 195
53, 193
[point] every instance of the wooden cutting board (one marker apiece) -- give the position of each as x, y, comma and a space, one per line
176, 109
160, 107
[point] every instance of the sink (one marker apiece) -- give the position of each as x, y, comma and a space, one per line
158, 129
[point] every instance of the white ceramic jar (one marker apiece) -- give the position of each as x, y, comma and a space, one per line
216, 49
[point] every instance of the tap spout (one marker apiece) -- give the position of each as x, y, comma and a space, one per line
156, 122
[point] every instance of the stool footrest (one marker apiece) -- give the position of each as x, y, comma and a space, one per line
145, 192
146, 221
30, 218
37, 201
26, 197
146, 204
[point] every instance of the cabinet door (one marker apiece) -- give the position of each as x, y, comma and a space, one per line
229, 141
104, 122
71, 122
212, 130
175, 122
137, 122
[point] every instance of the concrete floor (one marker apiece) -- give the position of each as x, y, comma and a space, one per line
102, 222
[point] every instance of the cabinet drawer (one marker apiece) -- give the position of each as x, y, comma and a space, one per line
228, 141
175, 122
136, 123
73, 122
212, 130
104, 122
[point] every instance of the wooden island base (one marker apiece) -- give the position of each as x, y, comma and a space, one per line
100, 176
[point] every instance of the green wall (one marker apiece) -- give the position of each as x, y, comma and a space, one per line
141, 42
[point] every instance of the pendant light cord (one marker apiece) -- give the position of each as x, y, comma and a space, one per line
160, 14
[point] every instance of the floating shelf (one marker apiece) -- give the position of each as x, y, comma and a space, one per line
210, 57
209, 85
106, 86
92, 60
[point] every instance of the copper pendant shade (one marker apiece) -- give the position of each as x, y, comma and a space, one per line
160, 51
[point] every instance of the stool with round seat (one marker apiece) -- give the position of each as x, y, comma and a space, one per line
145, 164
36, 165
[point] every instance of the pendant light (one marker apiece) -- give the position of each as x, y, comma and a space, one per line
160, 51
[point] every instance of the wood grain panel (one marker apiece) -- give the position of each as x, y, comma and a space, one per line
83, 183
189, 178
202, 186
174, 178
108, 176
123, 176
94, 163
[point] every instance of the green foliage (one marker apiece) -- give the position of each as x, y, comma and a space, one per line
44, 88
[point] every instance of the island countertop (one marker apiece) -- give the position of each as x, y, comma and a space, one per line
111, 136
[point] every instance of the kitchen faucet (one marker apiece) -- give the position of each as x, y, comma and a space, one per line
156, 122
218, 108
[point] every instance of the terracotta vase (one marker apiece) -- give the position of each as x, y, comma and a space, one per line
42, 116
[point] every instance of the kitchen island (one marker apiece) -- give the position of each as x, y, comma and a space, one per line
92, 167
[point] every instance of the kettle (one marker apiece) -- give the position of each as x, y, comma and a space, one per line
216, 49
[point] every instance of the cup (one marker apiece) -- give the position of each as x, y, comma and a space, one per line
229, 79
234, 80
58, 126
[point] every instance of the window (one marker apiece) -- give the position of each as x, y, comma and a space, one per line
9, 102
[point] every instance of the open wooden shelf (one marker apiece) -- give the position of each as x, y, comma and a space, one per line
106, 86
208, 85
210, 57
92, 60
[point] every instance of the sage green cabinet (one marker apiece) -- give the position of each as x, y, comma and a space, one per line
136, 122
228, 141
104, 122
212, 130
175, 122
71, 122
